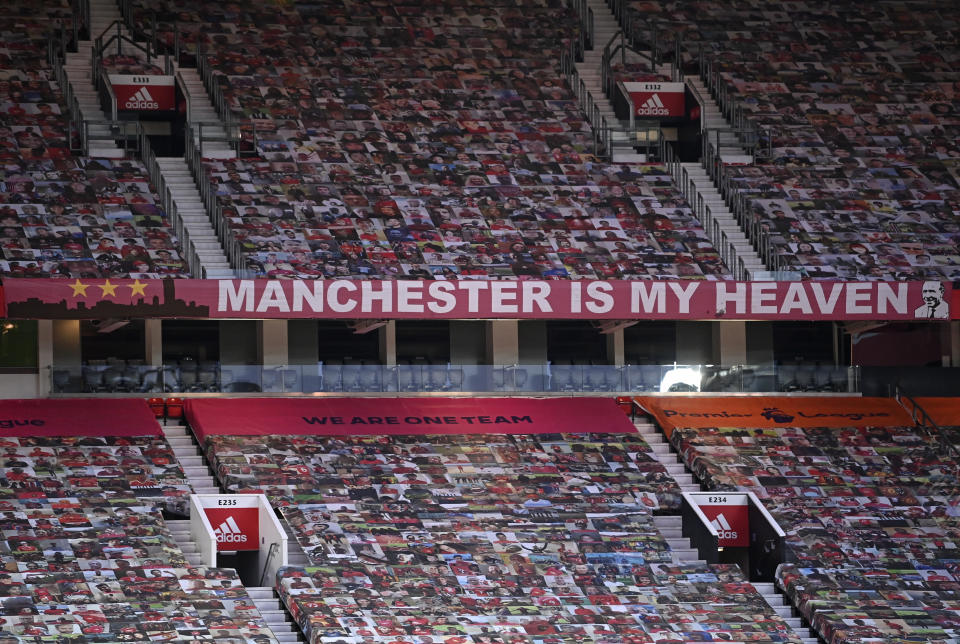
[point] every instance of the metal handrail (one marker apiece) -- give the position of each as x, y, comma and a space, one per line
923, 420
274, 548
118, 130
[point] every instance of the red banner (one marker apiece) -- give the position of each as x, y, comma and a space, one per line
471, 299
77, 417
365, 416
145, 93
653, 100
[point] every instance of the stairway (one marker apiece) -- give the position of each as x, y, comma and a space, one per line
783, 608
202, 114
731, 150
669, 526
203, 250
275, 614
78, 74
605, 27
191, 459
664, 453
295, 554
181, 535
725, 222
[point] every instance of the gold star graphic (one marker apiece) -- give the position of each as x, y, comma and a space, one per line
108, 289
137, 288
79, 288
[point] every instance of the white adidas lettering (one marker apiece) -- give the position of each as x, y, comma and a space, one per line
723, 527
653, 106
142, 100
229, 532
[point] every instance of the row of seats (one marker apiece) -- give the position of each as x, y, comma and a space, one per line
869, 514
599, 470
857, 174
652, 603
487, 538
455, 153
63, 215
87, 555
845, 605
121, 469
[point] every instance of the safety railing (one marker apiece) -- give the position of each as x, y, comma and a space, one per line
214, 89
125, 133
585, 25
115, 34
924, 421
718, 237
738, 201
586, 102
440, 378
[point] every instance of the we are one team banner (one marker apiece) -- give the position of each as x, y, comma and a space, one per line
517, 299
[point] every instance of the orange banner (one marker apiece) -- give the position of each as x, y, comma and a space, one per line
944, 411
762, 412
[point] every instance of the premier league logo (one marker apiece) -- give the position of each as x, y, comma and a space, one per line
776, 415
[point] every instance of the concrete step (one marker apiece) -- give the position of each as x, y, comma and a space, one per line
667, 521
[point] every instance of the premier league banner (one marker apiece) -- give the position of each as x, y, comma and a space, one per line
475, 299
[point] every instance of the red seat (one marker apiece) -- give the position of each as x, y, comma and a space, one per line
174, 407
157, 406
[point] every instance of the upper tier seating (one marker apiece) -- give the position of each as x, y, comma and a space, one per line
415, 142
63, 215
859, 115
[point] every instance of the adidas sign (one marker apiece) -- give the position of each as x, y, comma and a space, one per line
142, 100
653, 107
723, 527
229, 532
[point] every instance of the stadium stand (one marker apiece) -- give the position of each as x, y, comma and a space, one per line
63, 215
655, 602
86, 552
464, 163
855, 115
403, 140
869, 512
487, 537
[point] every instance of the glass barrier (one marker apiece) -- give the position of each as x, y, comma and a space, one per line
360, 378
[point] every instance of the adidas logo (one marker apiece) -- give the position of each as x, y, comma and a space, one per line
142, 100
229, 532
653, 107
723, 527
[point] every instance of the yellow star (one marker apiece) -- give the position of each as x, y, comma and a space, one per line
107, 289
137, 288
79, 288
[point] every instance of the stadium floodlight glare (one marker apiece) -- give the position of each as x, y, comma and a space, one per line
681, 379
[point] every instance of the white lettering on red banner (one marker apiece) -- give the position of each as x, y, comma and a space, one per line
528, 299
682, 300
